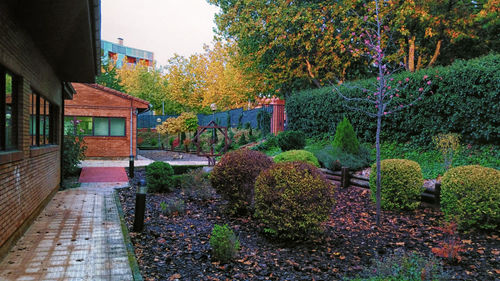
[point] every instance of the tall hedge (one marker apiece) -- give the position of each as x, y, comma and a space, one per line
465, 99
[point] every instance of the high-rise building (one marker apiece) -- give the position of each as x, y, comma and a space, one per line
121, 54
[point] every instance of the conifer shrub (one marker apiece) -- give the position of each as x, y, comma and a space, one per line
224, 243
345, 137
159, 177
401, 184
292, 199
234, 177
470, 195
290, 140
297, 155
334, 158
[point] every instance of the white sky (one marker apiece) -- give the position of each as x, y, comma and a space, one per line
164, 27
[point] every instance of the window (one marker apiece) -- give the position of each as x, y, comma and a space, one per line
8, 110
43, 121
95, 126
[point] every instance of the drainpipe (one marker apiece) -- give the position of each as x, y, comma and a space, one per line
131, 162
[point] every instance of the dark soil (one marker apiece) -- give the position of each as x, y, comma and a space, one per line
165, 155
177, 247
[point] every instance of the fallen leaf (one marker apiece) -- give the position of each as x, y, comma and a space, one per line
174, 277
466, 241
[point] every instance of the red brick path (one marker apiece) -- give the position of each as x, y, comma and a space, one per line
103, 174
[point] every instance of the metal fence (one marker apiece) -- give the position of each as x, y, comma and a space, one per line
233, 118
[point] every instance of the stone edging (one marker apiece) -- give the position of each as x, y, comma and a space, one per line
134, 266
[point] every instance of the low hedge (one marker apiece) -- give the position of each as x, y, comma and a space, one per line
463, 88
297, 155
470, 195
401, 184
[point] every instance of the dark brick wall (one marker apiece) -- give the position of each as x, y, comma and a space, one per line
28, 176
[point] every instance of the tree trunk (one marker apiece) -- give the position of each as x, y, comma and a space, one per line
311, 75
379, 185
411, 55
436, 53
419, 63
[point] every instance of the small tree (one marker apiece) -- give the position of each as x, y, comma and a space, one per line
73, 149
386, 95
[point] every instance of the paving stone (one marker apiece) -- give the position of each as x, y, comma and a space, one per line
76, 237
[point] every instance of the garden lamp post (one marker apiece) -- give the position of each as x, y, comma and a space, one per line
131, 161
213, 107
158, 120
140, 206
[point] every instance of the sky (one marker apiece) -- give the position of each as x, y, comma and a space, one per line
164, 27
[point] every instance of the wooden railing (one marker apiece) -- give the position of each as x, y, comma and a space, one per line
344, 178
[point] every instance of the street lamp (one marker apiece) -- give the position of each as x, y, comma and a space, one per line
158, 120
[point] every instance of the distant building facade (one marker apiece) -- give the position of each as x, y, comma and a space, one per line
103, 117
120, 54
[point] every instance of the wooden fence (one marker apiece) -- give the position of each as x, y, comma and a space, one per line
344, 178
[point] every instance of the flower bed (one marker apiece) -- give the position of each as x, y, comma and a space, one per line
177, 246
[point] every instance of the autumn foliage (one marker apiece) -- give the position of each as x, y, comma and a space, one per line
234, 177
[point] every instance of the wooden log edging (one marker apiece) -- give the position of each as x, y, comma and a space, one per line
344, 178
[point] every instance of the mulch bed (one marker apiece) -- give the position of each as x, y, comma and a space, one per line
177, 247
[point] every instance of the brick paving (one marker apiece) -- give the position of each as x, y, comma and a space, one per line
77, 236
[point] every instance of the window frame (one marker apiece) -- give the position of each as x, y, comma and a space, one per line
14, 110
75, 117
50, 121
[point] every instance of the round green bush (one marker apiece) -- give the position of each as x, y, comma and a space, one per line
234, 177
345, 137
292, 199
159, 177
289, 140
297, 155
401, 184
470, 195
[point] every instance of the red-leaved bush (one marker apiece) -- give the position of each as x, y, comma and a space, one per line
234, 177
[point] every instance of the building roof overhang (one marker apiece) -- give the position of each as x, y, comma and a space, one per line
66, 32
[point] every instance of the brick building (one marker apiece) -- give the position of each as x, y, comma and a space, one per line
103, 116
43, 44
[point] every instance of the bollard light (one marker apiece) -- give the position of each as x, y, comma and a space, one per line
140, 206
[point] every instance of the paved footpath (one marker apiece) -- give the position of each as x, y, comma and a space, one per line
77, 236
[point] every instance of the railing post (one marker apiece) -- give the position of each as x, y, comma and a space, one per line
344, 177
437, 194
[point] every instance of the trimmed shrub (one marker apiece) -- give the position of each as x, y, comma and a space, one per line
345, 137
401, 184
297, 155
334, 158
290, 140
159, 177
461, 88
470, 195
234, 177
292, 199
225, 245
